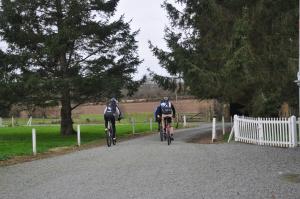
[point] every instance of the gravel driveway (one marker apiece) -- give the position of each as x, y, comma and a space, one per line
148, 168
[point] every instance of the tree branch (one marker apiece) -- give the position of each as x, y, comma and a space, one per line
82, 60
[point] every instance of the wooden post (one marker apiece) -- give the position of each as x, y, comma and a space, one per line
78, 135
33, 142
214, 136
184, 121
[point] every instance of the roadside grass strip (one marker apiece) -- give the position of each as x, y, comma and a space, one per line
17, 141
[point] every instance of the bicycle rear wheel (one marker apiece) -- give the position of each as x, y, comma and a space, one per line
108, 139
114, 141
109, 135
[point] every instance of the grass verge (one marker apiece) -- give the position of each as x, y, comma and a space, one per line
17, 141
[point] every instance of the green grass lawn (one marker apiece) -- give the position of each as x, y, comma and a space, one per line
15, 141
127, 118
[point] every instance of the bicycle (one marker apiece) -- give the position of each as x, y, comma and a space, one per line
162, 133
168, 131
109, 135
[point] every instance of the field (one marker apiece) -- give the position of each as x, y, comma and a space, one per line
131, 108
78, 119
17, 141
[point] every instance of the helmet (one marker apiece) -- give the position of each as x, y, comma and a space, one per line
114, 100
166, 98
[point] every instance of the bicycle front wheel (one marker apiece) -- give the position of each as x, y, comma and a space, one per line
161, 134
168, 136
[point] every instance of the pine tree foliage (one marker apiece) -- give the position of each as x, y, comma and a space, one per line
235, 51
9, 84
69, 51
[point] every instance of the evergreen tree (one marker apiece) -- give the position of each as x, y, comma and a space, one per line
235, 51
69, 52
7, 84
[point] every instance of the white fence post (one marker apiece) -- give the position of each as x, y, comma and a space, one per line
29, 121
230, 135
289, 131
33, 142
78, 135
260, 132
214, 136
298, 135
236, 128
133, 125
293, 132
151, 127
223, 125
184, 121
12, 121
1, 122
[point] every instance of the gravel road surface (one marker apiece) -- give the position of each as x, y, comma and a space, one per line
148, 168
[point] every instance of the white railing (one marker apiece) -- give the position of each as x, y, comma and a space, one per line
298, 131
281, 132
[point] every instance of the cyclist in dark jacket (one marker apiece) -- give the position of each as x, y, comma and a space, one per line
157, 116
167, 110
111, 113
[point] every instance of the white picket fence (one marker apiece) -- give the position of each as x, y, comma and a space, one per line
298, 131
280, 132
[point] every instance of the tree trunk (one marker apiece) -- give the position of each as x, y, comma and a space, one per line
66, 125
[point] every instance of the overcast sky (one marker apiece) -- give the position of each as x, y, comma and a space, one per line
151, 19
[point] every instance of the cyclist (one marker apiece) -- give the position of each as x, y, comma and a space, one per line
157, 116
167, 110
111, 113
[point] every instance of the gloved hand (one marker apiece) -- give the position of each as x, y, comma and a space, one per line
157, 118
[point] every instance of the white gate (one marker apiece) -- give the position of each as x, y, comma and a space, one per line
281, 132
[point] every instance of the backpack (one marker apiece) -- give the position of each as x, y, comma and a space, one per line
165, 107
111, 107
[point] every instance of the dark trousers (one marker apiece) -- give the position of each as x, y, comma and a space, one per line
112, 119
